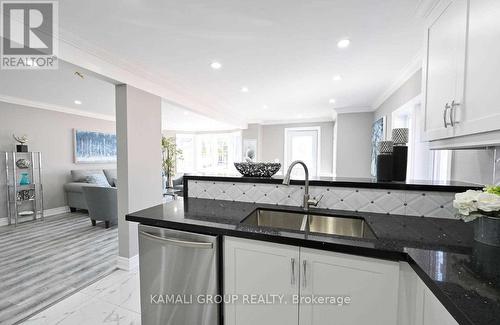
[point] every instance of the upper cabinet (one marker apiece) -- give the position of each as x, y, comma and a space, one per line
462, 72
444, 69
482, 80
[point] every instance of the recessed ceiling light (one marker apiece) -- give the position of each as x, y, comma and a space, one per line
343, 43
244, 89
78, 102
216, 65
300, 116
265, 107
186, 113
332, 101
337, 77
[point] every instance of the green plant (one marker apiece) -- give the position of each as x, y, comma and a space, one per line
493, 189
170, 155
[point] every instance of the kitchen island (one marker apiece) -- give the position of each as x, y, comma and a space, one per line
458, 273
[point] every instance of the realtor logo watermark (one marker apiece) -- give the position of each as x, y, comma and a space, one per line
29, 31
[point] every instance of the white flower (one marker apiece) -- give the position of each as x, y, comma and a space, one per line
466, 203
488, 202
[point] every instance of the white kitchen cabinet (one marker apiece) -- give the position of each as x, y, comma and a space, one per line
460, 74
434, 311
444, 67
254, 267
371, 284
481, 112
417, 304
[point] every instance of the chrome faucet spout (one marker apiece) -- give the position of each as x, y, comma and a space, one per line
286, 181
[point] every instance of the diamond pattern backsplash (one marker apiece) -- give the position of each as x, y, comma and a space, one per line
412, 203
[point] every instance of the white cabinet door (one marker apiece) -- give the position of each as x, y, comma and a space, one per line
254, 267
444, 67
434, 311
481, 112
371, 284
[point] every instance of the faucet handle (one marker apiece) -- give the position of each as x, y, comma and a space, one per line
315, 202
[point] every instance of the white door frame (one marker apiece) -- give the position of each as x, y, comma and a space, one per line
286, 153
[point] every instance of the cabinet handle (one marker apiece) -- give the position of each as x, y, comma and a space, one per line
454, 105
446, 108
292, 281
304, 277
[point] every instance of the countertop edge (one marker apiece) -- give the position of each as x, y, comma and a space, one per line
453, 309
342, 183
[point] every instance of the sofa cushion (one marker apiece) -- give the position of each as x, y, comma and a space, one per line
80, 175
111, 175
98, 180
76, 187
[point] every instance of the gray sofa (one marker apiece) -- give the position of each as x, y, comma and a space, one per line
79, 180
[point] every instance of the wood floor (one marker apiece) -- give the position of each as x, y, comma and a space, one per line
43, 262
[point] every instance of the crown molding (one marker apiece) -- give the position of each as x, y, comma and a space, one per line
54, 108
425, 7
83, 53
292, 121
405, 74
348, 110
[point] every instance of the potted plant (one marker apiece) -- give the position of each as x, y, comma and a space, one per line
482, 207
170, 156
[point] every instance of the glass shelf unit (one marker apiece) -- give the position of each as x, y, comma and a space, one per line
23, 200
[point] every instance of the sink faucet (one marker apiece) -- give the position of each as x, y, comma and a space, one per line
286, 181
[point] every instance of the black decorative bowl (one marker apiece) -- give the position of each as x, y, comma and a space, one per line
257, 169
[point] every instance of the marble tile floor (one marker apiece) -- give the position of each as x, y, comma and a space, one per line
114, 299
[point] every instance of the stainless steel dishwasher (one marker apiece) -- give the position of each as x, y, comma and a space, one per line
177, 265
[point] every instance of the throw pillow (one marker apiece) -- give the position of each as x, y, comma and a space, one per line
98, 179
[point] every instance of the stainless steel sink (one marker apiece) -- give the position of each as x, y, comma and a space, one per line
313, 223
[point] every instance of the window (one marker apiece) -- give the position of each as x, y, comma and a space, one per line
303, 144
211, 153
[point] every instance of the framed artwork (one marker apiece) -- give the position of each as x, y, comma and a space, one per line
378, 134
92, 147
250, 150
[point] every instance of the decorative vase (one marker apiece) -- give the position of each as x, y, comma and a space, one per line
384, 161
487, 230
22, 148
400, 154
25, 180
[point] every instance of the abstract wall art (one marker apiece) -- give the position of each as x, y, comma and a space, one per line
378, 134
92, 147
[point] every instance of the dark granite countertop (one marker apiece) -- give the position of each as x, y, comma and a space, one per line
412, 185
462, 274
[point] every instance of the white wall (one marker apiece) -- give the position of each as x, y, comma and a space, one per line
353, 144
138, 124
409, 90
51, 133
273, 143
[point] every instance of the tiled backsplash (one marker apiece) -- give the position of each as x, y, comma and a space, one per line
413, 203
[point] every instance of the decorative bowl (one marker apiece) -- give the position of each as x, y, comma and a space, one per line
257, 169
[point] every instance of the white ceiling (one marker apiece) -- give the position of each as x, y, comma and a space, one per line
175, 118
58, 90
284, 51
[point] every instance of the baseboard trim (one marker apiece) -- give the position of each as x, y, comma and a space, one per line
46, 213
54, 211
128, 264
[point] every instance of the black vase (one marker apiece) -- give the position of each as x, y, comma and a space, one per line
384, 167
400, 163
22, 148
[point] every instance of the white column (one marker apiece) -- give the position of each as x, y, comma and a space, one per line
138, 129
